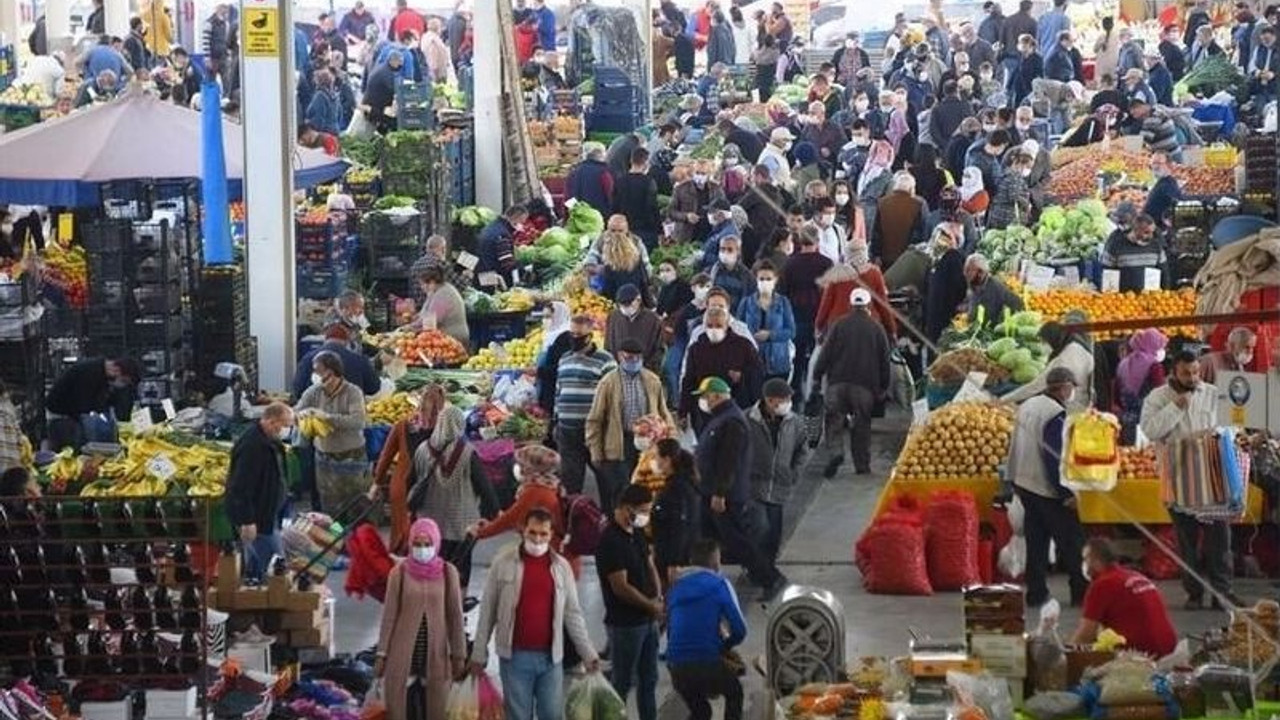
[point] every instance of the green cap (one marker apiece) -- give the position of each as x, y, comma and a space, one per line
712, 386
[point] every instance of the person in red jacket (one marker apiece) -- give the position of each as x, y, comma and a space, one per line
406, 19
526, 39
1124, 601
836, 283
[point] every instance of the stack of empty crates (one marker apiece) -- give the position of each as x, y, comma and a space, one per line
460, 154
1261, 173
392, 243
618, 106
221, 324
323, 262
136, 282
23, 354
414, 106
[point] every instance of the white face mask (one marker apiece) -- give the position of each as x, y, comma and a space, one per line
631, 310
1160, 355
728, 259
988, 128
704, 405
1244, 358
316, 379
536, 549
1084, 569
700, 293
1026, 172
424, 553
826, 220
284, 433
360, 321
716, 335
842, 199
642, 443
641, 520
1024, 126
516, 472
655, 467
860, 105
786, 248
784, 409
667, 277
766, 286
699, 179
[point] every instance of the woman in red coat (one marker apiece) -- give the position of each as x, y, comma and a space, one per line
836, 283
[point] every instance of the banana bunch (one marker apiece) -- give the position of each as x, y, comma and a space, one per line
26, 456
515, 300
66, 467
390, 409
312, 426
151, 463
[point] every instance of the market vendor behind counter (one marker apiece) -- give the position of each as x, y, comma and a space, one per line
1137, 254
88, 398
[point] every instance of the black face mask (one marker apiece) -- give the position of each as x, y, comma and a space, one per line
580, 342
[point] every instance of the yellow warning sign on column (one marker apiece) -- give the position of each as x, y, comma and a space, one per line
261, 32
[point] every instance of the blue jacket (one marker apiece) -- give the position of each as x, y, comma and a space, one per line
407, 70
356, 369
1049, 27
324, 113
591, 183
711, 248
780, 321
1161, 82
699, 601
546, 28
103, 57
301, 51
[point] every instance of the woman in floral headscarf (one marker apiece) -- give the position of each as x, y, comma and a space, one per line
648, 430
1140, 372
537, 469
421, 643
393, 473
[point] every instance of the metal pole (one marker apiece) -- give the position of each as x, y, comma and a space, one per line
487, 81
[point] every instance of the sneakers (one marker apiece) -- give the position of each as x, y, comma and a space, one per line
775, 588
833, 465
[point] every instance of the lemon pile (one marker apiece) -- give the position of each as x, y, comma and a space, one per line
960, 441
518, 354
390, 409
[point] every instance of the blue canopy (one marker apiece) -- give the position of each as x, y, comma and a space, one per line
62, 162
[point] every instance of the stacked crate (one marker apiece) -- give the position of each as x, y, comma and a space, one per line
409, 168
618, 106
221, 324
460, 154
392, 243
1261, 172
24, 355
323, 265
414, 109
137, 272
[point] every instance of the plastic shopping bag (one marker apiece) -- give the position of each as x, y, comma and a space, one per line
489, 699
464, 701
374, 708
593, 698
360, 125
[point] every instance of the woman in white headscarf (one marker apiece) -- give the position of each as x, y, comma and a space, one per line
874, 180
555, 343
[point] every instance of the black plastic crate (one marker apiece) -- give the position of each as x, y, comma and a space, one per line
393, 264
107, 265
20, 292
153, 332
157, 298
108, 294
163, 362
109, 235
63, 321
24, 361
380, 229
153, 391
321, 284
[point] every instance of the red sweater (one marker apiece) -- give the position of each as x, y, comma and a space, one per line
839, 282
535, 611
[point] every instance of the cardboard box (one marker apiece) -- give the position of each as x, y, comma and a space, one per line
228, 573
251, 598
302, 601
278, 589
171, 703
1003, 655
302, 620
251, 656
986, 626
311, 637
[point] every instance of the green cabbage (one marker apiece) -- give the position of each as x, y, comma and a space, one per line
584, 220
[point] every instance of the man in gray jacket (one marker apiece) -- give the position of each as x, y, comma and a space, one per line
530, 601
779, 452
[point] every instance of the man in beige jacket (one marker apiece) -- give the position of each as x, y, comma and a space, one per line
625, 394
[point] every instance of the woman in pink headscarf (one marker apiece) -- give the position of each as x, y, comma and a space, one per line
421, 646
1138, 374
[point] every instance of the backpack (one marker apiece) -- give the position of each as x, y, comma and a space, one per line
584, 524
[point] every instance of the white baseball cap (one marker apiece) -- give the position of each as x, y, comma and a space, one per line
859, 297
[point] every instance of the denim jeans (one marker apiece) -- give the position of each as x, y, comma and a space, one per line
530, 681
258, 554
635, 659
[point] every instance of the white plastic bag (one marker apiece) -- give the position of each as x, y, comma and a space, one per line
1013, 557
360, 125
464, 702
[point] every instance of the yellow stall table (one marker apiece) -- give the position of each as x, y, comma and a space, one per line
982, 489
1139, 501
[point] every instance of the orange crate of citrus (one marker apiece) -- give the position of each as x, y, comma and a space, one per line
431, 347
1138, 463
1106, 307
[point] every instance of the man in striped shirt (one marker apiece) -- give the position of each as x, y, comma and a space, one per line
577, 378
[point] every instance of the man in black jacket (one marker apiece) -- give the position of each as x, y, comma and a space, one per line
723, 459
635, 196
751, 144
1060, 65
93, 386
855, 359
763, 204
947, 115
1175, 57
135, 46
1014, 27
256, 487
1197, 17
991, 29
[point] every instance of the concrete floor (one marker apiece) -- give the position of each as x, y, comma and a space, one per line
822, 525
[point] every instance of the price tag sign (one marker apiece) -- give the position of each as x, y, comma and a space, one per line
1110, 281
467, 260
1040, 277
1071, 274
169, 410
489, 279
1150, 278
162, 467
140, 420
66, 226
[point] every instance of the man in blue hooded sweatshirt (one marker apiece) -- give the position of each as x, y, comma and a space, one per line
699, 602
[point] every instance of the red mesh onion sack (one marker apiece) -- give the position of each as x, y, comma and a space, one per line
901, 510
891, 557
951, 523
1157, 563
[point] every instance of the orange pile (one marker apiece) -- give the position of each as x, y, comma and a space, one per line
1102, 307
431, 347
1137, 463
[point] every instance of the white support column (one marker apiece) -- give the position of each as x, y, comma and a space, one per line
268, 89
487, 68
57, 22
9, 18
115, 17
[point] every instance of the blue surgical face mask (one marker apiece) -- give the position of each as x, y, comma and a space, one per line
632, 366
